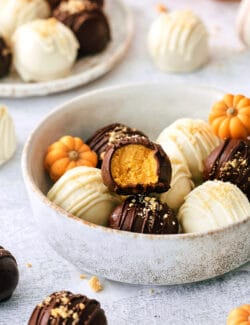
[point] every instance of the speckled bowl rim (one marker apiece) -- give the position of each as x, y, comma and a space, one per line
30, 181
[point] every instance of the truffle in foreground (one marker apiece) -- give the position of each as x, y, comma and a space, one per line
64, 307
143, 214
9, 274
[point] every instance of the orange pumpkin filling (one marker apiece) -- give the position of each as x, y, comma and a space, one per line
134, 164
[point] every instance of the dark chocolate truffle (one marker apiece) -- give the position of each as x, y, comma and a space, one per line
5, 58
230, 162
135, 165
88, 22
63, 307
54, 3
109, 134
8, 274
144, 214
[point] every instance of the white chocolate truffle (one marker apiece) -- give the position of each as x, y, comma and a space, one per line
14, 13
44, 50
190, 141
81, 192
7, 136
212, 205
181, 184
178, 42
243, 22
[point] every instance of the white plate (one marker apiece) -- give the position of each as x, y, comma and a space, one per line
86, 69
120, 255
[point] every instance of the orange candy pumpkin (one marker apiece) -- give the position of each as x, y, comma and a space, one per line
239, 316
230, 117
66, 153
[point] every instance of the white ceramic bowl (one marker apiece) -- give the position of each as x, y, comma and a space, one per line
118, 255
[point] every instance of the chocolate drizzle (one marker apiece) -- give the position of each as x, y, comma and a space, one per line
66, 308
9, 275
144, 214
230, 162
5, 58
108, 135
87, 21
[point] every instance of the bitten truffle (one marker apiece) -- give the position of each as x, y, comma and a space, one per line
109, 134
143, 214
230, 162
5, 58
88, 22
9, 275
135, 165
64, 307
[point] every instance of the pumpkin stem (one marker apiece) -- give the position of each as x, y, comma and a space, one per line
73, 155
231, 111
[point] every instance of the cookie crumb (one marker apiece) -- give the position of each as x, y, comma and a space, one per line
83, 276
29, 265
95, 284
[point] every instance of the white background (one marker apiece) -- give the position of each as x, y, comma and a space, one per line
203, 303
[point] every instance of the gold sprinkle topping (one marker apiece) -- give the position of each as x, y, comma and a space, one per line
75, 6
83, 276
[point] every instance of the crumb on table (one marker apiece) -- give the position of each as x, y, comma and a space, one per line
95, 284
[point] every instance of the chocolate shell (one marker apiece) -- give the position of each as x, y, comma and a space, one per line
135, 165
230, 162
63, 307
54, 3
88, 22
5, 58
109, 134
143, 214
9, 275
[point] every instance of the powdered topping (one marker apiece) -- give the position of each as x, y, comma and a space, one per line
75, 6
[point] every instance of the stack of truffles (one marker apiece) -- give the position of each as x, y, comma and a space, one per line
195, 175
43, 39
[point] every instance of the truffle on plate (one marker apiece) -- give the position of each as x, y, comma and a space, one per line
44, 49
230, 162
243, 22
5, 58
189, 141
8, 140
9, 275
64, 307
178, 41
109, 134
81, 192
14, 13
135, 165
212, 205
88, 22
144, 214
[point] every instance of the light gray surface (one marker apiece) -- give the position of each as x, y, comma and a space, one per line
203, 303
